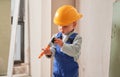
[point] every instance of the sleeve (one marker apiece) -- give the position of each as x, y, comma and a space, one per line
74, 48
52, 47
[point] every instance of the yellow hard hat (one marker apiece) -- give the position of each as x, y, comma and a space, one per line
65, 15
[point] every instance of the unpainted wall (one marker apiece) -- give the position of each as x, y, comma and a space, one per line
4, 35
115, 42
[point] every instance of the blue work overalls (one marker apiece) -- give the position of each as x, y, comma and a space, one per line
64, 65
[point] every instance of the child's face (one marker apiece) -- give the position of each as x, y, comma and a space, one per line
67, 28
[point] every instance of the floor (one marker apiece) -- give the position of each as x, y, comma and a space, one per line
18, 75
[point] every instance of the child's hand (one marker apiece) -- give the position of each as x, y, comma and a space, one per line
47, 51
59, 42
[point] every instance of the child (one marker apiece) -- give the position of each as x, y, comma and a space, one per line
65, 45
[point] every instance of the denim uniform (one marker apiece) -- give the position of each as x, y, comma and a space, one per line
65, 64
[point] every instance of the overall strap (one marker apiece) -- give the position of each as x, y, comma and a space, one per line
59, 35
71, 38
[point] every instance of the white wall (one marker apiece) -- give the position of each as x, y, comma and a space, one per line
96, 33
40, 32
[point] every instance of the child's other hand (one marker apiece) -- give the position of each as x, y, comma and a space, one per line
47, 51
59, 42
